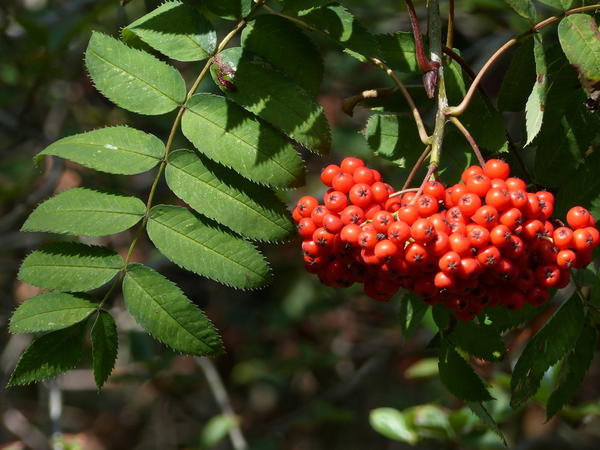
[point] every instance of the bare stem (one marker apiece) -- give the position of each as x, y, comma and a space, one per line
215, 383
469, 139
416, 167
428, 175
459, 109
403, 191
450, 33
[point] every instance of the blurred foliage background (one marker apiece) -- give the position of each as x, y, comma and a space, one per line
305, 364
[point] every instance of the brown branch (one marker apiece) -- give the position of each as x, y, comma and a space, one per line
349, 103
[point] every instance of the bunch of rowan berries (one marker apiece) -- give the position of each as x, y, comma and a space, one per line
483, 242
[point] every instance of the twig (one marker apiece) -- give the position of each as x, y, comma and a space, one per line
450, 33
403, 191
469, 139
458, 110
416, 167
222, 398
430, 171
349, 103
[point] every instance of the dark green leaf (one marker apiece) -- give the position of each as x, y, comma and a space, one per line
160, 307
49, 355
441, 316
302, 7
573, 369
546, 348
199, 245
580, 40
459, 377
89, 212
504, 319
50, 311
398, 51
340, 25
131, 78
228, 134
229, 9
518, 80
524, 8
272, 97
412, 310
105, 344
70, 267
478, 340
482, 120
481, 411
176, 30
287, 48
222, 195
394, 137
391, 423
120, 150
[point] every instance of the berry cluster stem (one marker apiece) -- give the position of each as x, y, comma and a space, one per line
435, 47
469, 139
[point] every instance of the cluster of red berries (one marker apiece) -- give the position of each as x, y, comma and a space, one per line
483, 242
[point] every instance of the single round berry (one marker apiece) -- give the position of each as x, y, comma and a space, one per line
361, 195
496, 168
578, 217
328, 173
350, 164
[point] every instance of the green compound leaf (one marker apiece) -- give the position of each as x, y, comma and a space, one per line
49, 355
574, 368
84, 211
105, 344
221, 194
199, 245
70, 267
340, 25
228, 9
546, 348
580, 40
524, 8
518, 80
160, 307
176, 30
393, 425
459, 377
287, 49
131, 78
412, 310
50, 311
536, 103
478, 340
253, 85
120, 150
232, 136
394, 137
398, 51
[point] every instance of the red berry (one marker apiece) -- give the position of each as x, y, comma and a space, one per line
422, 230
352, 214
332, 223
469, 172
382, 220
468, 204
478, 184
578, 217
380, 192
563, 237
499, 199
342, 182
335, 201
385, 249
565, 259
496, 168
450, 263
426, 205
328, 173
489, 256
306, 204
363, 175
306, 227
435, 189
361, 195
350, 164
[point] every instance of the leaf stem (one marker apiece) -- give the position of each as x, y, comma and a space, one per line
469, 139
459, 109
